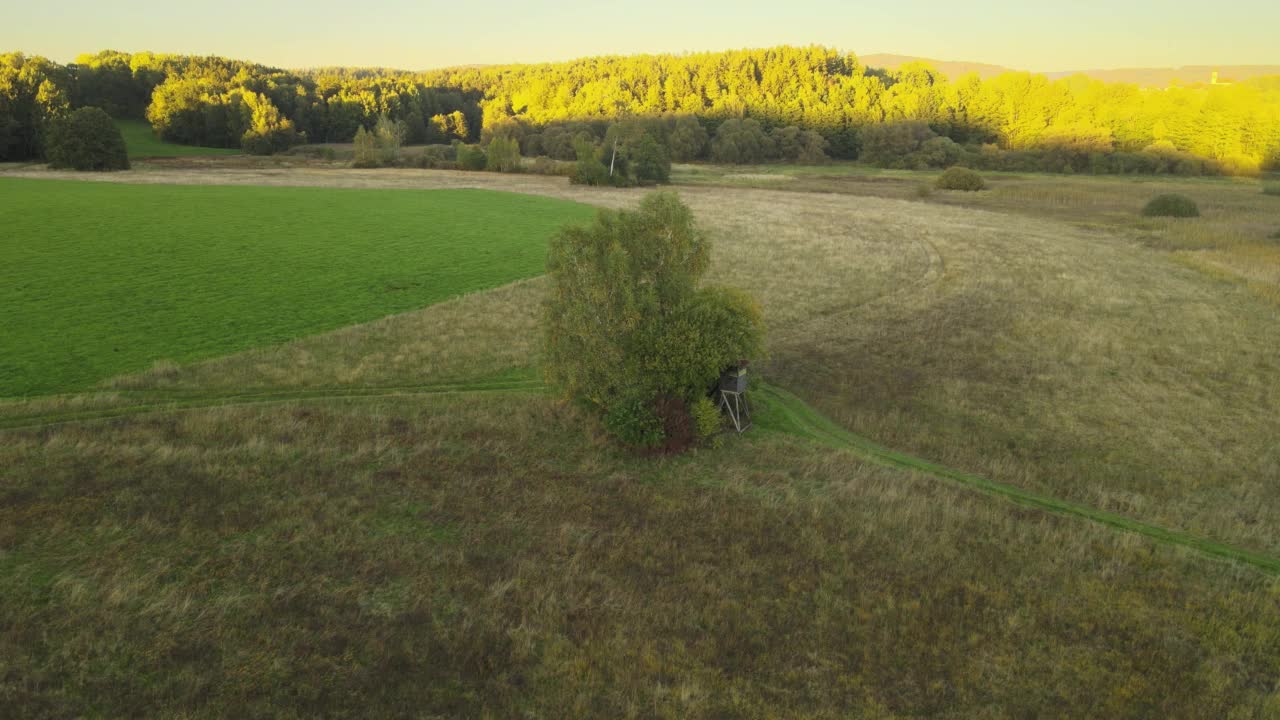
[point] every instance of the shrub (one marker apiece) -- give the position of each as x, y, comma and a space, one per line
961, 178
939, 152
316, 152
503, 155
588, 170
269, 142
546, 166
390, 136
1272, 189
1177, 206
650, 162
560, 142
802, 146
707, 419
1275, 235
741, 142
892, 145
688, 139
632, 420
628, 328
87, 139
366, 149
471, 157
440, 157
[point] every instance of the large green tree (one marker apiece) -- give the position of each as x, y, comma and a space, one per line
630, 331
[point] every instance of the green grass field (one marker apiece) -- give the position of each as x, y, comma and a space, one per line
143, 143
98, 279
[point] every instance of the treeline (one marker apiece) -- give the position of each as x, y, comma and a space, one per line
783, 103
217, 102
819, 89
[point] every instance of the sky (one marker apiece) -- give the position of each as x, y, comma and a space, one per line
1030, 35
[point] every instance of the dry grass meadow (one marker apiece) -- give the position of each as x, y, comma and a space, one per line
368, 538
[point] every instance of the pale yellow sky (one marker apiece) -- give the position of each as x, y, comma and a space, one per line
1076, 34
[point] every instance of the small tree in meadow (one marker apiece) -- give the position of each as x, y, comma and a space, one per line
390, 136
631, 335
503, 155
588, 170
366, 149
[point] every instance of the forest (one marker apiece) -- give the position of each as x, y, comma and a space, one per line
745, 106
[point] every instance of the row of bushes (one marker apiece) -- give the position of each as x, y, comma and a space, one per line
915, 146
685, 138
1170, 205
632, 156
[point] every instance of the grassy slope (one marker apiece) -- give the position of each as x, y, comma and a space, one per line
456, 556
143, 143
993, 344
101, 279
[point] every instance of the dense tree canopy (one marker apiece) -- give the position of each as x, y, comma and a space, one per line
34, 93
809, 102
831, 93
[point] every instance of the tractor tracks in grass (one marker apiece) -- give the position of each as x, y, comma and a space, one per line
150, 402
792, 415
932, 270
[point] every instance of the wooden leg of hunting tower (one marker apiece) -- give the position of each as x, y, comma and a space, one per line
735, 405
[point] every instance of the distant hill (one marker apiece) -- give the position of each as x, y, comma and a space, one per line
1186, 75
1147, 77
949, 68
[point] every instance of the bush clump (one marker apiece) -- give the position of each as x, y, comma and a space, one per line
588, 170
87, 139
1271, 189
650, 161
961, 178
707, 419
1171, 205
631, 335
547, 166
471, 157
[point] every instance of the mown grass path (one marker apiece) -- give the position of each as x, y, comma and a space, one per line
788, 413
782, 412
